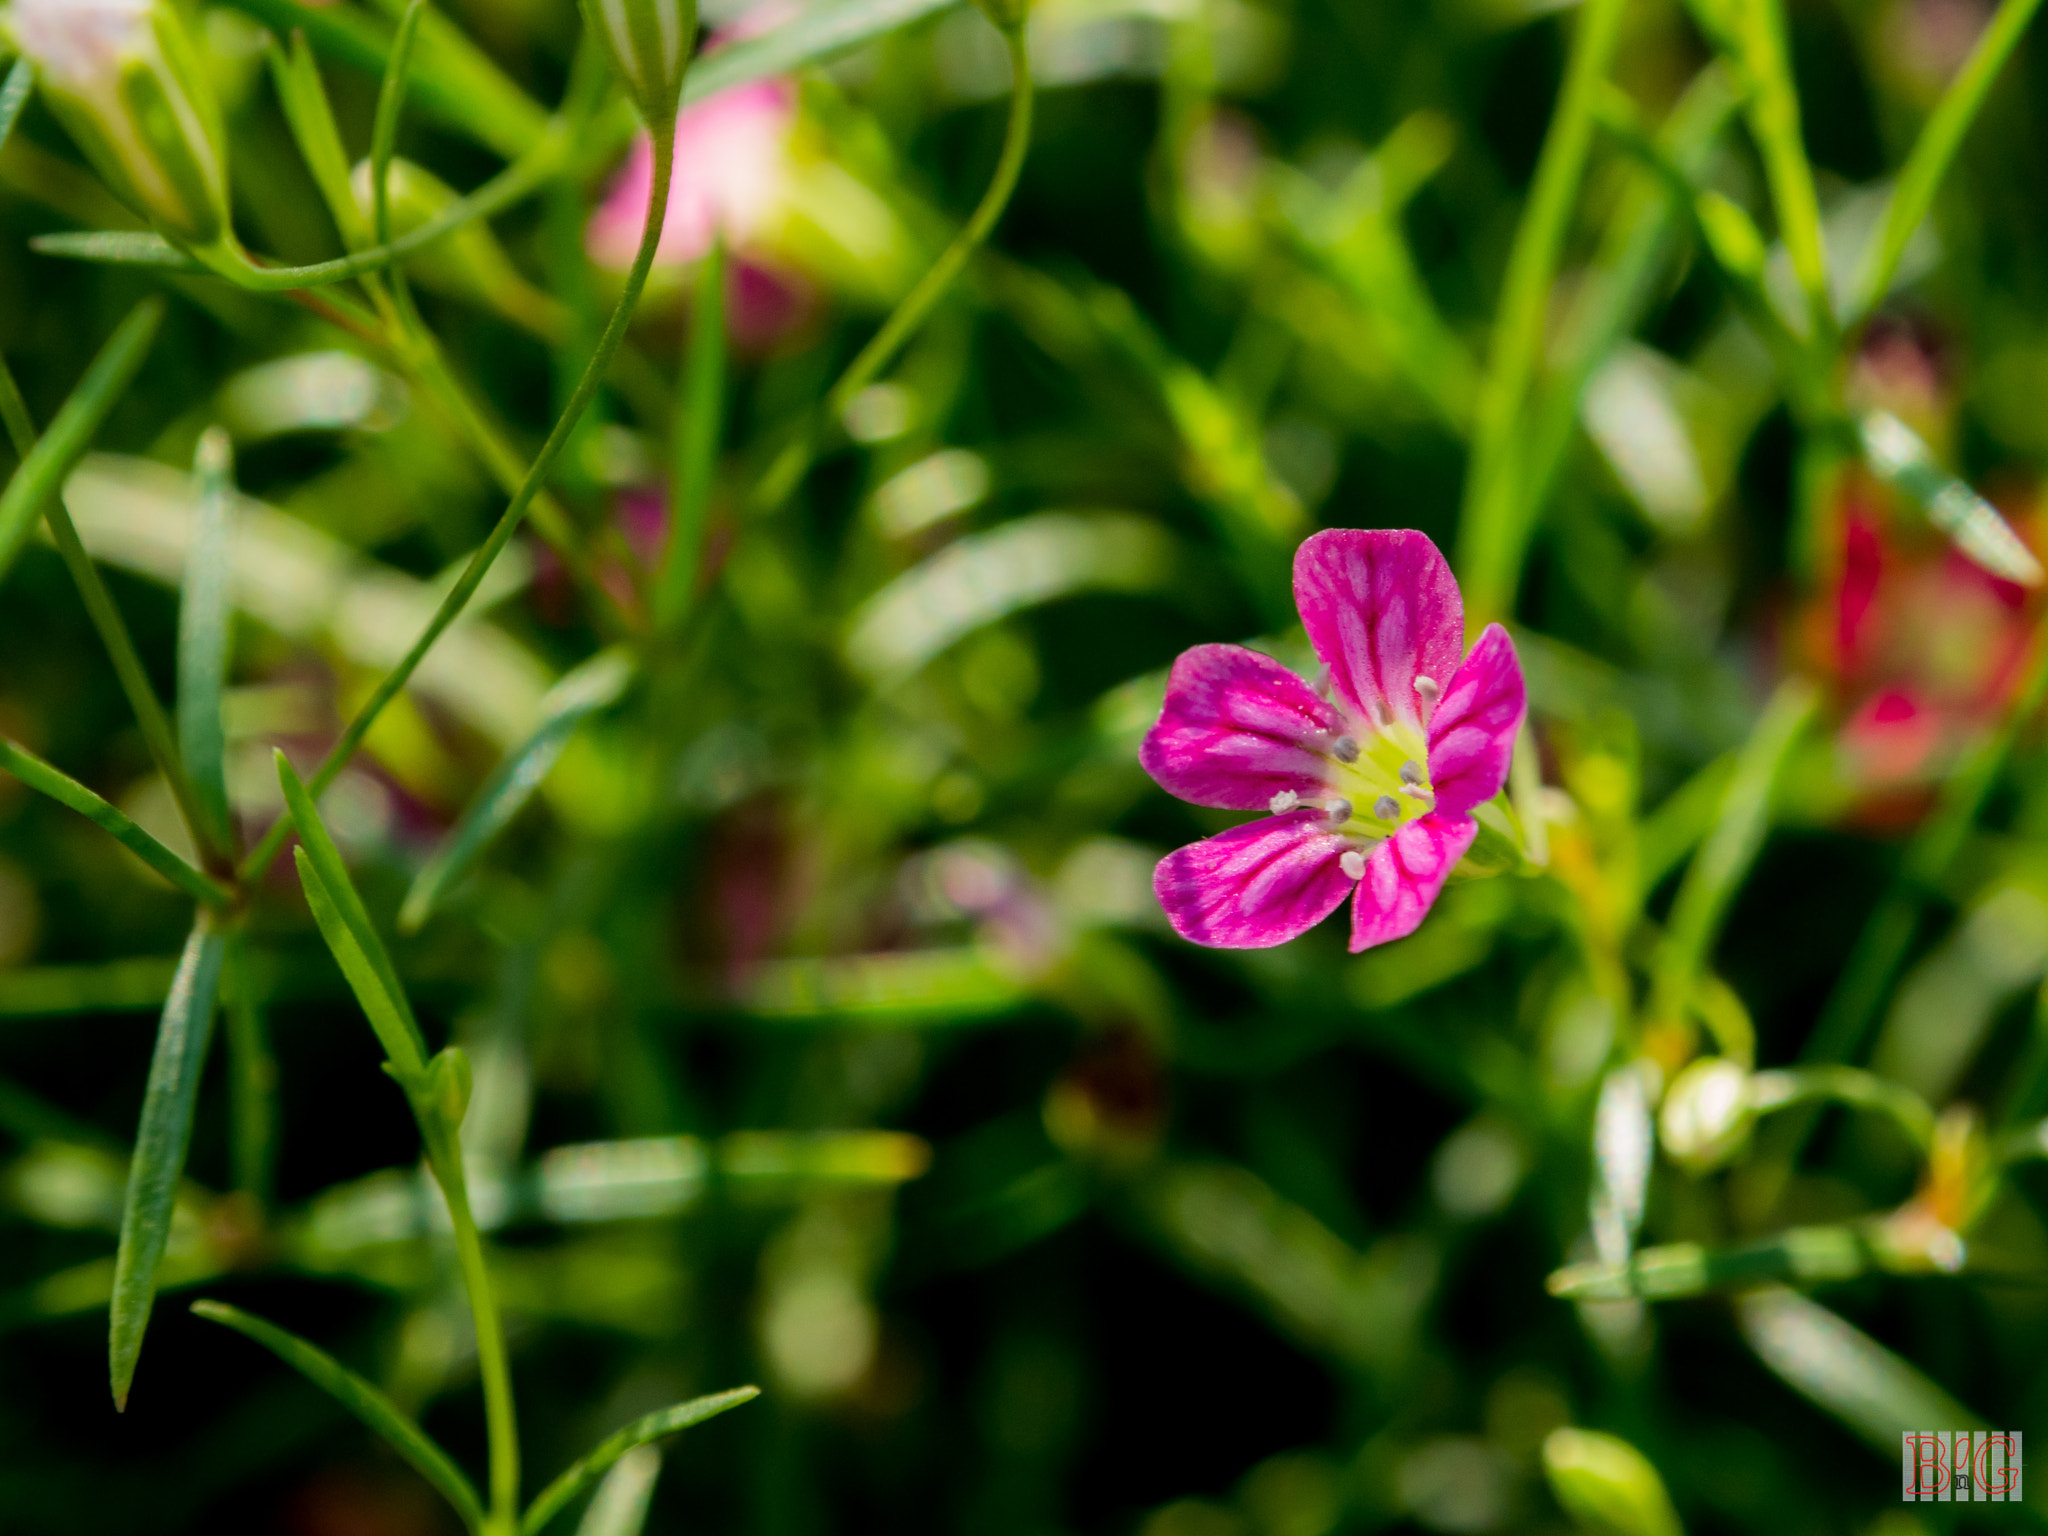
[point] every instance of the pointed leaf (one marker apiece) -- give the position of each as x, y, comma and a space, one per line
14, 96
42, 474
641, 1432
302, 93
390, 104
593, 686
205, 613
815, 34
160, 1144
1898, 457
39, 775
620, 1506
117, 247
382, 1004
360, 1398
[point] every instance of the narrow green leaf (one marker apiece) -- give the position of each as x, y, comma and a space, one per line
641, 1432
66, 791
14, 96
1718, 869
620, 1505
42, 473
1803, 1255
1609, 1487
360, 1398
697, 441
205, 622
1776, 1090
1935, 149
385, 1007
252, 1079
814, 35
1897, 456
309, 114
14, 416
595, 685
117, 247
1845, 1371
160, 1143
345, 924
1494, 528
390, 106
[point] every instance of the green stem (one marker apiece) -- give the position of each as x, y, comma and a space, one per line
1494, 529
789, 468
501, 1424
252, 1079
1935, 149
501, 535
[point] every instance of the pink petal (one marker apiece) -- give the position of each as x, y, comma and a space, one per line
1233, 729
1382, 609
1472, 733
1254, 886
1403, 876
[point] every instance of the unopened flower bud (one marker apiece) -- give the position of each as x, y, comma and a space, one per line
1706, 1114
1607, 1485
650, 43
122, 77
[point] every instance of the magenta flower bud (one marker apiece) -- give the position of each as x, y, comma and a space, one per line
122, 78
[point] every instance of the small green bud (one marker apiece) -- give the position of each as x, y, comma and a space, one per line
650, 42
1607, 1485
1706, 1114
122, 77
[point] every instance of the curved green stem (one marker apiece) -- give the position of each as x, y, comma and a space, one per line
508, 524
788, 470
494, 1364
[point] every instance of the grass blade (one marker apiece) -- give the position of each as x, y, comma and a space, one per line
205, 625
1718, 869
697, 441
345, 924
1774, 120
360, 1398
390, 105
307, 111
21, 430
67, 791
118, 248
1493, 532
1897, 456
160, 1144
42, 473
816, 34
595, 685
620, 1506
1935, 149
14, 96
640, 1432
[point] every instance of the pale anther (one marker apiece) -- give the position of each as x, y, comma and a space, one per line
1411, 772
1387, 808
1353, 865
1345, 749
1382, 716
1322, 683
1426, 689
1283, 802
1419, 791
1339, 811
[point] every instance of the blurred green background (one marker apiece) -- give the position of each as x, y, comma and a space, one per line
827, 1034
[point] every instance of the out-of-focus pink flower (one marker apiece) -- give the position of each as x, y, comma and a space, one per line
1369, 779
732, 173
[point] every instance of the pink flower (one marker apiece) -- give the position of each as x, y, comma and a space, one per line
732, 175
1370, 778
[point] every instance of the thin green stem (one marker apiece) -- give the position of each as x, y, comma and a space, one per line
494, 1365
1936, 149
501, 535
1494, 530
1774, 120
252, 1079
789, 468
384, 130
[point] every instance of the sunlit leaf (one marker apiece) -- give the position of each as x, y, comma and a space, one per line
1898, 457
66, 791
205, 633
655, 1426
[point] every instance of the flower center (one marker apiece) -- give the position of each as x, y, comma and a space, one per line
1375, 782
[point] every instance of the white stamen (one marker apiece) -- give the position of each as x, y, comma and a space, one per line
1345, 749
1353, 865
1419, 791
1426, 689
1283, 802
1387, 808
1339, 812
1411, 772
